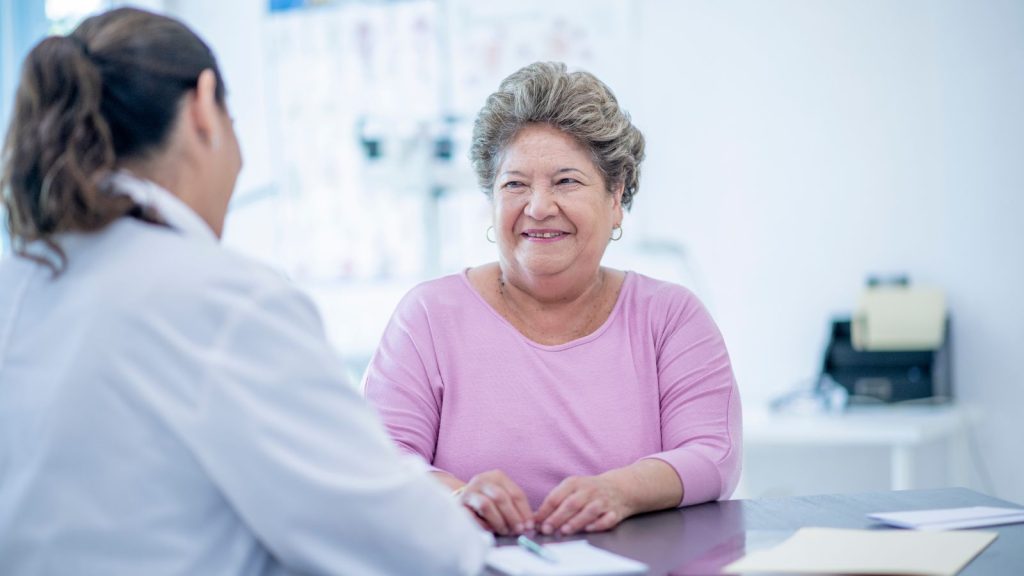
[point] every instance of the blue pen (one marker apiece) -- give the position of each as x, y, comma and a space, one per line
536, 549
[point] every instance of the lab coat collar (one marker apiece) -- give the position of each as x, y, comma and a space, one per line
171, 209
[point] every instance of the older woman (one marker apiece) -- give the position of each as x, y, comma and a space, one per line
550, 392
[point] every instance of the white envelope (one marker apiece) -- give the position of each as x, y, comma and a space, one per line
951, 518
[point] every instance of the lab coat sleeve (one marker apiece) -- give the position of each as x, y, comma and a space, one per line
306, 463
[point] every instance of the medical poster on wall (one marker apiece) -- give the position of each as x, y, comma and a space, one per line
490, 40
371, 110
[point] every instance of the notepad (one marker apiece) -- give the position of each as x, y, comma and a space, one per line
840, 551
951, 518
575, 558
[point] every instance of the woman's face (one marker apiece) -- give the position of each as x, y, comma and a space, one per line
553, 213
229, 158
211, 139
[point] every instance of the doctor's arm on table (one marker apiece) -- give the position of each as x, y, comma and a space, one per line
306, 462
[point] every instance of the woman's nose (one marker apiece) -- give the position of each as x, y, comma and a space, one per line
542, 203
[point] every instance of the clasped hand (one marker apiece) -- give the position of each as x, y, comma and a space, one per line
587, 503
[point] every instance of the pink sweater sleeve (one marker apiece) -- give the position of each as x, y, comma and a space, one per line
701, 423
403, 383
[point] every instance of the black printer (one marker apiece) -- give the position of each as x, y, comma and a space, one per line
894, 348
887, 375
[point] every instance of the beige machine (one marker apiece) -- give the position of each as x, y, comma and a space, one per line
899, 318
895, 347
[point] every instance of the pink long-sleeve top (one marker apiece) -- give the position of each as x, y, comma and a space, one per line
458, 385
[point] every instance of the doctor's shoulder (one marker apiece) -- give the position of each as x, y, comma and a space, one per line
182, 275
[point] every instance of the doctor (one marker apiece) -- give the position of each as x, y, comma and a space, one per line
166, 406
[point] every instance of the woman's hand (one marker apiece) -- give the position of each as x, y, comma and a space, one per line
590, 503
595, 503
499, 503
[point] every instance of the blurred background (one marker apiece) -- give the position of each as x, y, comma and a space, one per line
795, 148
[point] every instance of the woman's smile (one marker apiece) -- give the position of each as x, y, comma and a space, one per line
543, 236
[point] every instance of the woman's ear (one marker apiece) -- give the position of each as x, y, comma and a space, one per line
206, 111
620, 188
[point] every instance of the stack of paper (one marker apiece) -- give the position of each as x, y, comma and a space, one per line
839, 551
899, 318
951, 518
577, 557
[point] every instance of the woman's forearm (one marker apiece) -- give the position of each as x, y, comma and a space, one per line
647, 485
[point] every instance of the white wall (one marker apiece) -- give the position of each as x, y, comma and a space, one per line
797, 146
234, 31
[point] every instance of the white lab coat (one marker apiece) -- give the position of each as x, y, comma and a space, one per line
169, 407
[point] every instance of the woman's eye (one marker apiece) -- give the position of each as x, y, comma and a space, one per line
567, 181
512, 184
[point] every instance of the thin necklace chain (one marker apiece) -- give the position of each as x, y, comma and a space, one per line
582, 330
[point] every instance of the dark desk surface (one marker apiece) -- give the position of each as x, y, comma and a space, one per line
702, 539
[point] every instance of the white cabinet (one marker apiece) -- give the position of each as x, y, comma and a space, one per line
861, 449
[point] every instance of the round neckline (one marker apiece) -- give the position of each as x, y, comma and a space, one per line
626, 284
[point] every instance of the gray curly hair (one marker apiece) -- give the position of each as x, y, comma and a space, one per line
576, 103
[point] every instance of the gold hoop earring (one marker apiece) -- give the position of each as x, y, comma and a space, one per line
487, 235
615, 238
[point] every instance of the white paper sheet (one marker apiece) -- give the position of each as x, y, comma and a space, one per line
840, 551
951, 518
577, 557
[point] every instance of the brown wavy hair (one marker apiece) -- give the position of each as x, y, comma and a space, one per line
108, 92
576, 103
